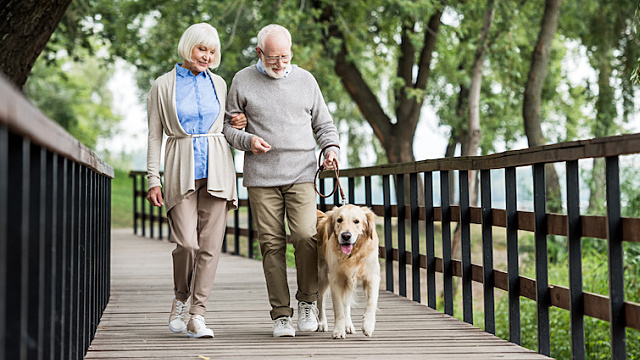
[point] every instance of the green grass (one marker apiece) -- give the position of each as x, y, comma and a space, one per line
121, 200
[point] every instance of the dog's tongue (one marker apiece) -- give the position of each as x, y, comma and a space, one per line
346, 248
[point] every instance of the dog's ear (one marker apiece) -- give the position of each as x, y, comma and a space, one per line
370, 223
332, 218
328, 224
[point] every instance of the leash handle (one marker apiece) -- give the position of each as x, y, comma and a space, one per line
336, 171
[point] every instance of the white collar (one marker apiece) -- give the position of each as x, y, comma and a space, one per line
260, 68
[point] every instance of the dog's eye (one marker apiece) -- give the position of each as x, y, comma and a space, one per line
339, 220
356, 221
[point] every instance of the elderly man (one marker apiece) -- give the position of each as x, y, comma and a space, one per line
284, 109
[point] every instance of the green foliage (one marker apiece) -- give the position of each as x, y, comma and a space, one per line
630, 190
635, 76
507, 62
595, 280
75, 95
146, 32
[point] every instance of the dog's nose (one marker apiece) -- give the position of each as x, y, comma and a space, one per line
346, 236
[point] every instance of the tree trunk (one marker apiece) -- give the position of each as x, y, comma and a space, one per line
473, 133
606, 112
471, 145
532, 96
25, 30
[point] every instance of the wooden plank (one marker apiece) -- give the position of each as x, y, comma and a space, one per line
134, 325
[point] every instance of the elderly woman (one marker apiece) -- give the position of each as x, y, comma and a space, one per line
187, 104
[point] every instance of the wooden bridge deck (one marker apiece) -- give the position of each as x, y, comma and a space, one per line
134, 324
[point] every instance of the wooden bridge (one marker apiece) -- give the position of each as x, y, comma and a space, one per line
70, 287
134, 324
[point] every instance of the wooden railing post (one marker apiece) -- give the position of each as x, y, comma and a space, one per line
487, 251
447, 265
574, 241
143, 213
512, 255
134, 179
615, 260
465, 240
386, 190
402, 249
430, 239
542, 284
415, 237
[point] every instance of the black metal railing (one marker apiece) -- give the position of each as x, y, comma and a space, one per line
55, 207
146, 216
423, 219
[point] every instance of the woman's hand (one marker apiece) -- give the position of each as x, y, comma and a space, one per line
154, 196
238, 121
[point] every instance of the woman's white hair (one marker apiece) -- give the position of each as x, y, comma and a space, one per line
270, 29
200, 34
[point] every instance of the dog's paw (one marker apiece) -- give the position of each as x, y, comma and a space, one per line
322, 326
368, 326
349, 328
339, 334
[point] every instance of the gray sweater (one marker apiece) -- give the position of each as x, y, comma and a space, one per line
286, 113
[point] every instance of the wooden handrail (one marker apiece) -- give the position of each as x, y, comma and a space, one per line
566, 151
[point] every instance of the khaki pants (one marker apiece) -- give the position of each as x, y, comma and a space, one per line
198, 223
269, 207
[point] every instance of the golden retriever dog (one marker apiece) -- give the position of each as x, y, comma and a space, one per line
347, 254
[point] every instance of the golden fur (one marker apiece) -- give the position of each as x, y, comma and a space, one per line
342, 271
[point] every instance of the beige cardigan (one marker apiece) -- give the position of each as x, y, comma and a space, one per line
179, 178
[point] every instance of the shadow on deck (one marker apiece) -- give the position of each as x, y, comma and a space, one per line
134, 324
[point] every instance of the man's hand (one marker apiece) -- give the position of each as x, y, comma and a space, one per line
259, 146
238, 121
329, 160
154, 196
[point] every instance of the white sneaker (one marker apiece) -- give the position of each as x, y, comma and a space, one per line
307, 316
179, 316
197, 328
282, 327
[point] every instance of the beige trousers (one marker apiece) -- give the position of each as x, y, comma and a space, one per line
198, 223
270, 206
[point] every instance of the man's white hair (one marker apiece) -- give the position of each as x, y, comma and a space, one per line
200, 34
270, 29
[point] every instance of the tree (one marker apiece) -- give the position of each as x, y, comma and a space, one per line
75, 95
474, 134
395, 132
25, 31
376, 60
606, 31
532, 96
471, 144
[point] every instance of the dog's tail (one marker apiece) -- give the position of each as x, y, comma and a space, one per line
320, 214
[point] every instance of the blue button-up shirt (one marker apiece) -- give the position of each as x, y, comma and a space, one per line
198, 107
